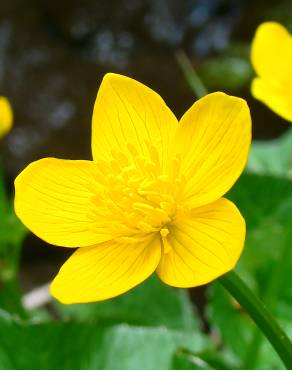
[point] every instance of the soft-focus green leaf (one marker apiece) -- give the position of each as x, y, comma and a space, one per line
259, 196
57, 345
229, 71
146, 348
186, 360
272, 157
85, 346
152, 303
180, 361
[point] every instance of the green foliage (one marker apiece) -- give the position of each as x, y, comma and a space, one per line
266, 264
12, 233
272, 157
186, 360
182, 361
90, 346
230, 71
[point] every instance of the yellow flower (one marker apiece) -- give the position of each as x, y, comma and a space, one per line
271, 56
6, 116
151, 198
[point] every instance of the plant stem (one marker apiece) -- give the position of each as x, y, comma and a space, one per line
261, 316
269, 297
191, 75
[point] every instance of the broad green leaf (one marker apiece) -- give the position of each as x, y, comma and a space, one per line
259, 196
66, 346
272, 157
146, 348
91, 346
152, 303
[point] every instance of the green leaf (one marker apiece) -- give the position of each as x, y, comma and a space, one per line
152, 303
181, 361
229, 71
259, 196
266, 265
186, 360
12, 233
147, 348
49, 346
272, 157
86, 346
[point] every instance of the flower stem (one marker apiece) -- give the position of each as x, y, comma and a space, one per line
191, 75
261, 316
269, 297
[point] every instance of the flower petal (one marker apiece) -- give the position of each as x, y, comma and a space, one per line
271, 56
52, 198
277, 97
213, 141
106, 270
203, 247
271, 52
128, 112
6, 116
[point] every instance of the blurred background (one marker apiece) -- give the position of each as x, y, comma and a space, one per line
53, 55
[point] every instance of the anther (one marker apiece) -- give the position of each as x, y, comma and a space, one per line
164, 232
166, 244
132, 150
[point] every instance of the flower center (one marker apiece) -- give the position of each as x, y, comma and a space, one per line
137, 197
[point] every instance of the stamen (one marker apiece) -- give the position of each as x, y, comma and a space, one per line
142, 207
120, 157
132, 150
164, 232
134, 197
166, 244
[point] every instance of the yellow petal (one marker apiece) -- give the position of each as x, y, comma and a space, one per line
127, 112
203, 246
53, 198
6, 116
271, 52
105, 271
277, 97
213, 142
271, 56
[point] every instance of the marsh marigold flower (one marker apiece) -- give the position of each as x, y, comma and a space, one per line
151, 199
271, 57
6, 116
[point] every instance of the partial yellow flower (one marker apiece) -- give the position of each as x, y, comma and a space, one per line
6, 116
271, 57
151, 198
